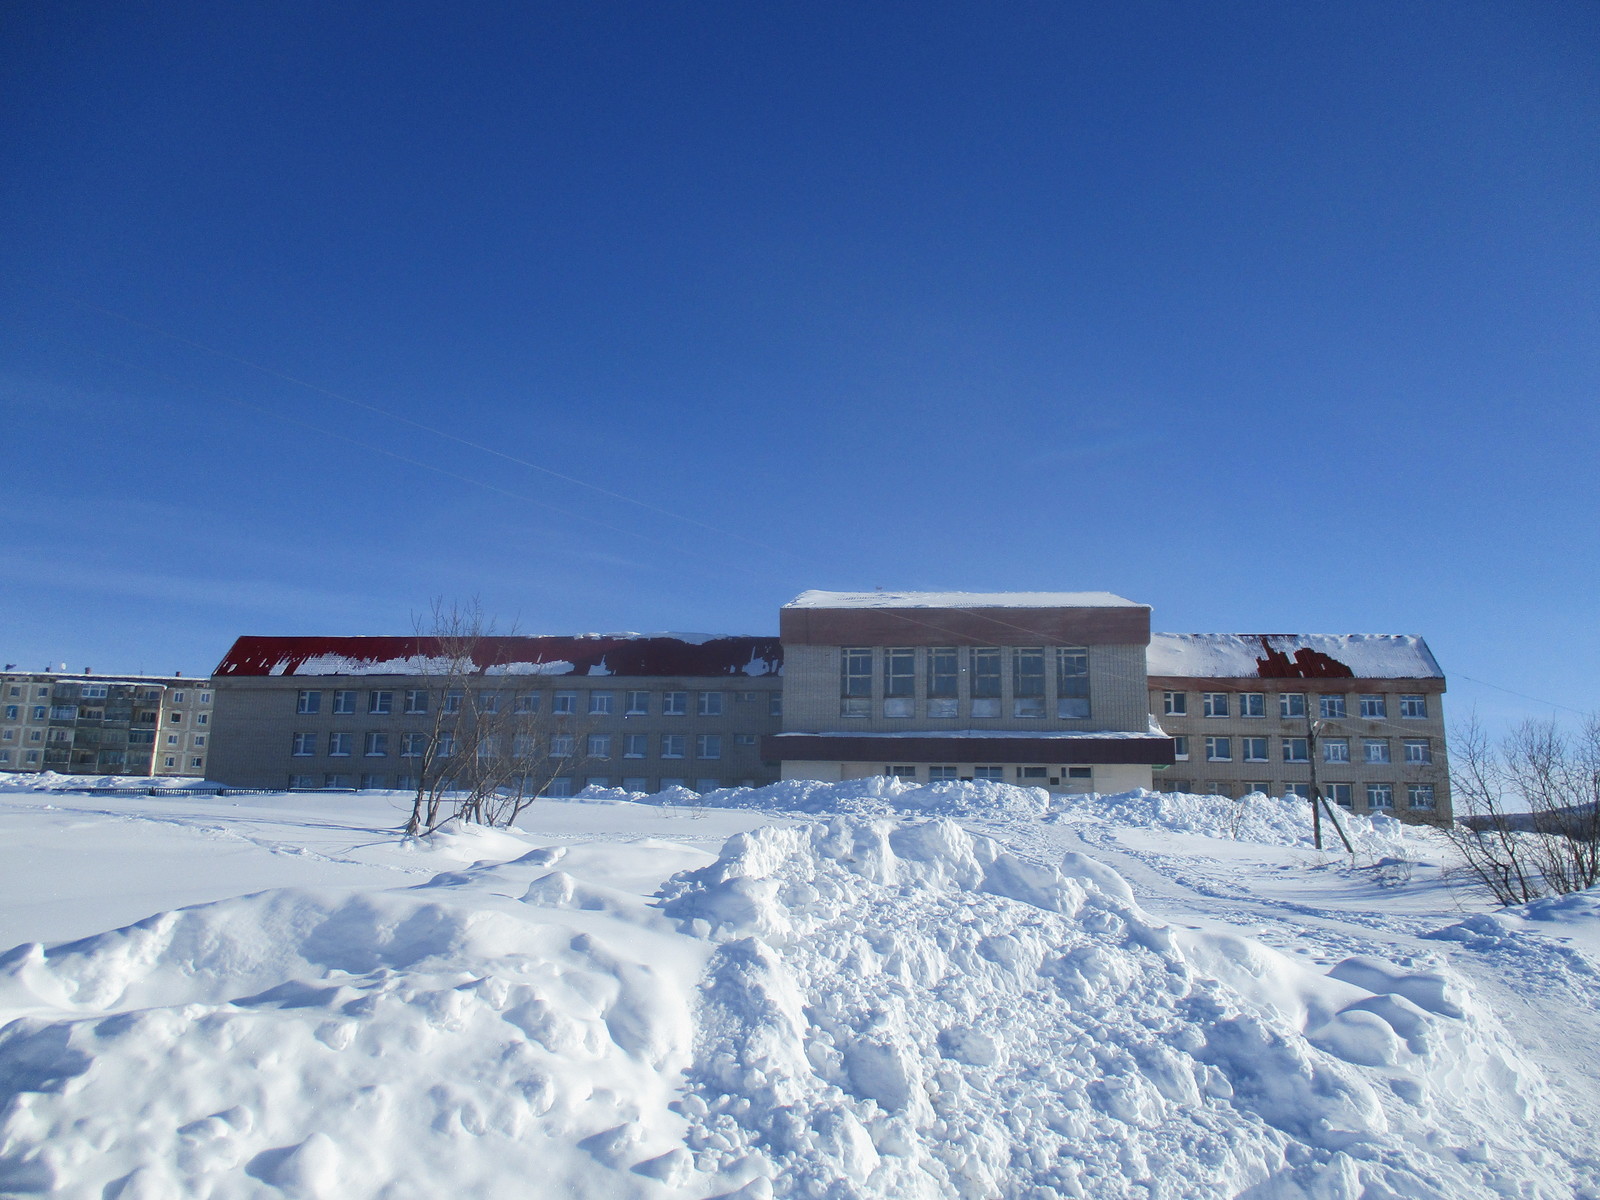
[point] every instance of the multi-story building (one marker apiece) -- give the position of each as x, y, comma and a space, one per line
638, 712
1359, 715
1042, 689
87, 724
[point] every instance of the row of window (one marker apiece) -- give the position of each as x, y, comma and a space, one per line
937, 674
107, 758
558, 788
97, 691
1415, 751
1292, 704
1419, 797
419, 701
376, 744
75, 712
1029, 776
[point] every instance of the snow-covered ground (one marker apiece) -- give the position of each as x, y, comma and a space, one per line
842, 990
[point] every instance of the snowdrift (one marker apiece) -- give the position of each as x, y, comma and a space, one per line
859, 1007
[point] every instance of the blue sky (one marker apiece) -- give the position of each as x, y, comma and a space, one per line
648, 316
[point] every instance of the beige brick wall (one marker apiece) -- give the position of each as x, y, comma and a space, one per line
811, 702
1231, 777
256, 720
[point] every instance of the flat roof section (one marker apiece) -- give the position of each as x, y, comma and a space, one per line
875, 599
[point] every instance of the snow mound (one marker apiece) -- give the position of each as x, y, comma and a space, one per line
858, 1009
903, 1009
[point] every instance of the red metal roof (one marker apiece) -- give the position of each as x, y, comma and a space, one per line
585, 655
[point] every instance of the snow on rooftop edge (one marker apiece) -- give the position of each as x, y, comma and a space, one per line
820, 599
1291, 656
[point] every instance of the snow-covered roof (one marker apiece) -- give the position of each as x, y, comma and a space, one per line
817, 599
1291, 656
641, 655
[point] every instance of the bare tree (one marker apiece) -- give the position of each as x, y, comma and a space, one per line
1528, 809
488, 747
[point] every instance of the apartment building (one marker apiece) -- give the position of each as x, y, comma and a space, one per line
87, 724
637, 712
1361, 715
1041, 689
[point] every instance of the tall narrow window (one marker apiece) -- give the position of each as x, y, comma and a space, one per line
1175, 704
986, 681
1072, 682
944, 669
899, 681
855, 681
1027, 682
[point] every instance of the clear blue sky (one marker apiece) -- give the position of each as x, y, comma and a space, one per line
1274, 316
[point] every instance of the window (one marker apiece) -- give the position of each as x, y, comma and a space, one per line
489, 703
1339, 793
413, 745
944, 671
703, 785
1420, 796
136, 737
635, 745
38, 712
1180, 748
1296, 750
674, 745
901, 771
179, 697
339, 745
195, 763
1380, 795
1373, 708
308, 702
638, 704
525, 703
197, 740
1418, 751
1072, 682
416, 700
744, 739
1219, 749
33, 757
1252, 704
344, 703
305, 745
1254, 748
674, 704
1175, 704
775, 704
172, 718
1292, 704
1027, 682
372, 782
562, 745
941, 774
599, 745
405, 783
172, 738
1033, 773
1080, 772
1214, 704
709, 704
168, 761
602, 704
560, 787
13, 712
1335, 750
1375, 750
1414, 708
489, 747
69, 712
202, 718
899, 681
452, 701
986, 681
1300, 790
708, 745
94, 691
446, 746
522, 745
297, 783
377, 745
1330, 708
997, 774
205, 697
635, 783
380, 704
855, 681
1258, 788
5, 756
